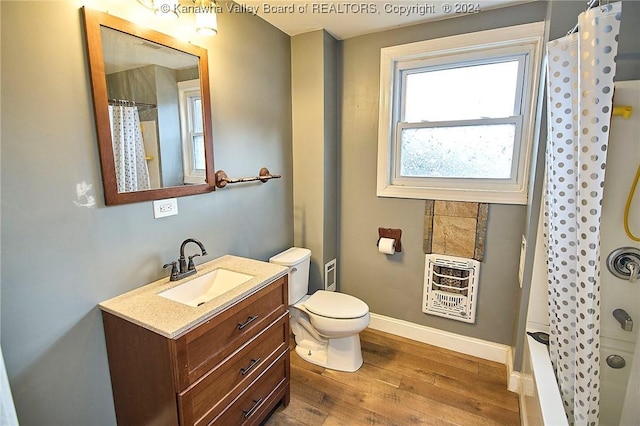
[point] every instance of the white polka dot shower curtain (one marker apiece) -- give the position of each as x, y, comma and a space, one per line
580, 74
132, 173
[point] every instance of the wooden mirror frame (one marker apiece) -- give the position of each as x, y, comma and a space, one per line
93, 20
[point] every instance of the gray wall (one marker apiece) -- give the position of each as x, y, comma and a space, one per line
169, 135
331, 111
392, 286
59, 259
314, 114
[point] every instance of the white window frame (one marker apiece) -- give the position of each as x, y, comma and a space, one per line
522, 41
186, 91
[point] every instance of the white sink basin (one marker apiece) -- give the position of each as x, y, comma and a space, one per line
206, 287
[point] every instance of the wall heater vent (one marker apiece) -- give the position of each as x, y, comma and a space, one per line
451, 287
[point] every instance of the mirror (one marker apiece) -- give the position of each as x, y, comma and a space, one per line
152, 106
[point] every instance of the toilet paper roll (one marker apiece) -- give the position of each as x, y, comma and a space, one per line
386, 246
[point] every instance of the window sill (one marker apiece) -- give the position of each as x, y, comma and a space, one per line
453, 194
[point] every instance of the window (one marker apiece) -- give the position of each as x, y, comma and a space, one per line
192, 131
457, 116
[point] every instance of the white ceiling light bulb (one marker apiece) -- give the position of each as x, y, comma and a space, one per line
206, 18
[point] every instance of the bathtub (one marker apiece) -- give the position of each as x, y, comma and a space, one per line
540, 401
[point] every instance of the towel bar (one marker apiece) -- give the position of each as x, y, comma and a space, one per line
265, 175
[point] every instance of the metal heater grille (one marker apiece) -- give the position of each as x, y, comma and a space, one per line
451, 287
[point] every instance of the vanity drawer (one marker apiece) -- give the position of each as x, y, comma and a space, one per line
210, 395
255, 402
209, 343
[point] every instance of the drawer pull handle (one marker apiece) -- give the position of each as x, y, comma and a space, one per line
247, 322
250, 366
249, 412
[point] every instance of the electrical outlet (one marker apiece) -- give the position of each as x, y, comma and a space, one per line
164, 208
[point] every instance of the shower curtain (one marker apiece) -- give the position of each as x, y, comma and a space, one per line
132, 173
580, 70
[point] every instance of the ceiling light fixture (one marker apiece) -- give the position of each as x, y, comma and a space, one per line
206, 17
205, 11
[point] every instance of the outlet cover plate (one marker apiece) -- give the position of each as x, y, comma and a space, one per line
164, 208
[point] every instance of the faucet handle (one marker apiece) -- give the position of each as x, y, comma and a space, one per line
191, 266
634, 271
174, 268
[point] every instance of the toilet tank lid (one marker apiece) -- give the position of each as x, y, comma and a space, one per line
336, 305
291, 256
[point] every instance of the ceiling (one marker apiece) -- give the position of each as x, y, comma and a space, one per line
345, 19
124, 51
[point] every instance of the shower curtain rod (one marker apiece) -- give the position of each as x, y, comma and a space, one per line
590, 4
125, 102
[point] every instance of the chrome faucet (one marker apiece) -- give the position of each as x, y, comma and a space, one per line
181, 269
624, 319
624, 263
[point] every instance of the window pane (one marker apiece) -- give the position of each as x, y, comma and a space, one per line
196, 112
463, 93
479, 151
198, 152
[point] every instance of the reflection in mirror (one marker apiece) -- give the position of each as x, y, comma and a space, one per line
156, 124
152, 111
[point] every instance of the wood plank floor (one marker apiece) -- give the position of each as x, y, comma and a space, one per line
402, 382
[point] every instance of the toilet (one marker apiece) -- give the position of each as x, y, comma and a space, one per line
326, 324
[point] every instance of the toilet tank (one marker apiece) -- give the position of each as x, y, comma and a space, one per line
297, 260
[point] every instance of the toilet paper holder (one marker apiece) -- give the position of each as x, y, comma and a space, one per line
395, 234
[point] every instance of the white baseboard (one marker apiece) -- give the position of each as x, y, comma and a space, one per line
520, 383
467, 345
525, 390
514, 383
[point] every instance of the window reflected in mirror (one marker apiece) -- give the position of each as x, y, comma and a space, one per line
192, 130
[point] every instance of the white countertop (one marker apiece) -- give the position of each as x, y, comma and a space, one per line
145, 308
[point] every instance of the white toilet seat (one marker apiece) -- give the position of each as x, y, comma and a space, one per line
335, 305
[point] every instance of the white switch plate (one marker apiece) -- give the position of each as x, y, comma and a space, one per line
523, 251
164, 208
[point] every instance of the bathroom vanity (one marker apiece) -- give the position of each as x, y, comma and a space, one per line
223, 362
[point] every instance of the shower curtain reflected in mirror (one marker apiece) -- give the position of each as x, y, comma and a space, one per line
132, 173
581, 67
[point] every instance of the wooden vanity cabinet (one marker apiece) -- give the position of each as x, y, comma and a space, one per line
231, 369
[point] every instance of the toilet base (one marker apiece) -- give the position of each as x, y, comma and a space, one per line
343, 354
